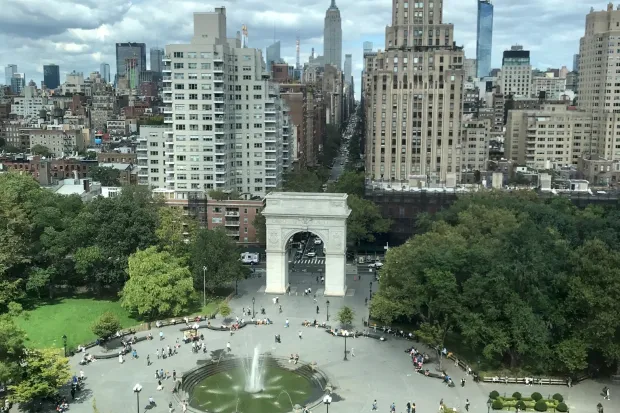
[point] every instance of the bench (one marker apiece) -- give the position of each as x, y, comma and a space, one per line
552, 381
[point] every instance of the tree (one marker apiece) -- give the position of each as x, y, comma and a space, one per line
175, 230
350, 182
365, 220
107, 176
217, 252
302, 180
12, 349
159, 284
106, 325
260, 226
40, 150
44, 373
224, 309
220, 195
91, 155
345, 316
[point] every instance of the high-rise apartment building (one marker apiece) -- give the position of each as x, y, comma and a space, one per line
413, 98
130, 59
273, 55
516, 72
18, 83
484, 38
156, 57
104, 69
332, 37
151, 155
51, 76
576, 62
470, 70
9, 71
348, 67
228, 125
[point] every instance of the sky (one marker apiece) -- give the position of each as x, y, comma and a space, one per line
81, 35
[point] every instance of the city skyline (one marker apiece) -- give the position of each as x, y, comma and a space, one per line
82, 41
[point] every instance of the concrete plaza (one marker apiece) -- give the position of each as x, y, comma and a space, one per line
378, 370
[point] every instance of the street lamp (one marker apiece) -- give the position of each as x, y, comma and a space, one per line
253, 301
137, 389
236, 288
489, 402
327, 302
204, 286
345, 348
327, 400
64, 342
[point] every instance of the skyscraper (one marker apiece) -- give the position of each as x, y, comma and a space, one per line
51, 76
156, 56
348, 67
9, 71
413, 99
273, 55
332, 37
516, 72
132, 56
18, 83
484, 38
104, 69
367, 47
576, 63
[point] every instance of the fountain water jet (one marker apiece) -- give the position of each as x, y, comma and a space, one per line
255, 374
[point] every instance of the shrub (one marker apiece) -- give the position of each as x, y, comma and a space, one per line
558, 397
540, 406
225, 310
516, 395
536, 396
521, 405
562, 407
494, 394
106, 325
497, 404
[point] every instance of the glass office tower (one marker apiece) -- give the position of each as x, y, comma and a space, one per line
484, 39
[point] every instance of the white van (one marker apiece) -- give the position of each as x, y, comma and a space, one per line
250, 258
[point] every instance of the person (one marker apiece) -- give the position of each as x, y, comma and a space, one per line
157, 353
170, 407
413, 407
151, 401
161, 335
300, 334
408, 407
280, 308
72, 393
463, 382
228, 347
374, 405
174, 374
605, 393
393, 408
120, 358
286, 323
82, 376
467, 404
134, 354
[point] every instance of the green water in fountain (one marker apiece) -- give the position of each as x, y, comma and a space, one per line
224, 392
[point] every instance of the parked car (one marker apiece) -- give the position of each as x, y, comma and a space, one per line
317, 241
376, 264
311, 254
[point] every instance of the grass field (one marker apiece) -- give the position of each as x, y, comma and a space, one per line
46, 323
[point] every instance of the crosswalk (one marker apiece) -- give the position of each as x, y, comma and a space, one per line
310, 261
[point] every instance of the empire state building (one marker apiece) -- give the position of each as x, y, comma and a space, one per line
332, 37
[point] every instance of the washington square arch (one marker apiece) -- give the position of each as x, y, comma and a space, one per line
324, 214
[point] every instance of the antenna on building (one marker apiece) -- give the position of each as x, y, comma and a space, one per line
244, 36
297, 62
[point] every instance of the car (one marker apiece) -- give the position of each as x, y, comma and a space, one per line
317, 241
311, 254
377, 264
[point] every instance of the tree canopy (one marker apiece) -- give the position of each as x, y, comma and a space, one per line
526, 282
107, 176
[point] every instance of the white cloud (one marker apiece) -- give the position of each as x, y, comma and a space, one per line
80, 35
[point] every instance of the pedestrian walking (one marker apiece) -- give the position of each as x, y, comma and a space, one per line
148, 360
374, 405
228, 347
463, 382
300, 334
317, 309
161, 335
408, 407
317, 279
467, 404
286, 323
174, 374
393, 408
72, 393
170, 409
352, 352
413, 407
157, 353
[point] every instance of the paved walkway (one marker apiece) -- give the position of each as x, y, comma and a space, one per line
379, 370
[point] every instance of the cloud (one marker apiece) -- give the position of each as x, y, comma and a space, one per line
80, 35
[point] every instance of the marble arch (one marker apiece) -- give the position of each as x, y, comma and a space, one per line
323, 214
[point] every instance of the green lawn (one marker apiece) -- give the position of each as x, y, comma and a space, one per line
46, 324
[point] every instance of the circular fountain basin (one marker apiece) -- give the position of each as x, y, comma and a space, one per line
225, 392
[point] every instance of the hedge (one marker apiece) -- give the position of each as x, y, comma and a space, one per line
562, 407
540, 406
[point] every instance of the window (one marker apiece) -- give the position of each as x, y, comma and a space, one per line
178, 55
205, 66
192, 65
178, 65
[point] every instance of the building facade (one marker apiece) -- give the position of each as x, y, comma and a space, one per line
104, 69
51, 76
332, 37
156, 57
475, 152
58, 142
553, 87
273, 55
130, 59
484, 38
413, 98
516, 75
227, 118
151, 155
348, 67
18, 83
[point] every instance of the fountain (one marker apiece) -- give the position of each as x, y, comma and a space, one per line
254, 375
252, 385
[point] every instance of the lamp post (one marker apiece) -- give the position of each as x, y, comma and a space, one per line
327, 400
327, 303
489, 405
137, 389
64, 342
236, 288
345, 348
204, 286
370, 292
253, 301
